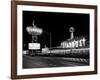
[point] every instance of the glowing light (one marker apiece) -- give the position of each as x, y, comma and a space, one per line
74, 43
34, 30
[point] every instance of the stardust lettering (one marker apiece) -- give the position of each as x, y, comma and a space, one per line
74, 44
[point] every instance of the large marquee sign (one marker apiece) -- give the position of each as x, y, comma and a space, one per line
74, 43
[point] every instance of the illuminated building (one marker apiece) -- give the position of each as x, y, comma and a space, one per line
78, 46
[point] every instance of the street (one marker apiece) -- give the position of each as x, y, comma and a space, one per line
44, 61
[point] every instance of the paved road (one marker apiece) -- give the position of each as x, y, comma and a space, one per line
40, 61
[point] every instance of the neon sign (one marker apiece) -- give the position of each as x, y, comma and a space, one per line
74, 43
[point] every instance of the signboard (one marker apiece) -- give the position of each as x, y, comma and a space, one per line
74, 43
34, 46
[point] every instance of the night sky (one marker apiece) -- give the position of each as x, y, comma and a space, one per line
57, 24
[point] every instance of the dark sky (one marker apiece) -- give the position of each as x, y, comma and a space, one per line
56, 23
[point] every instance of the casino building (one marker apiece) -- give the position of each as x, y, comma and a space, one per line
72, 47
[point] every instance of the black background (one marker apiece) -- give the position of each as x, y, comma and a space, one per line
57, 24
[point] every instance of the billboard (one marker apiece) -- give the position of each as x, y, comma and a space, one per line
34, 46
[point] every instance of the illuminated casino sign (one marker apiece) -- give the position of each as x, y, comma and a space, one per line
76, 43
34, 46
